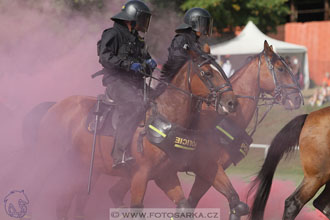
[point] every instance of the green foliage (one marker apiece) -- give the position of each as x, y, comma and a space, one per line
266, 14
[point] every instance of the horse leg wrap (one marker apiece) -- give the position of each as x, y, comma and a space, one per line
137, 206
136, 210
192, 202
322, 205
183, 207
239, 210
183, 204
292, 207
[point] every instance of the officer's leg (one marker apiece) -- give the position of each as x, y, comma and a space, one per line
131, 111
130, 117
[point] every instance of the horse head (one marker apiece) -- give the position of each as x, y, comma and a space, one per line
279, 80
206, 82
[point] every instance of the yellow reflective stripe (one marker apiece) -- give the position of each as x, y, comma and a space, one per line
158, 131
225, 132
242, 151
183, 147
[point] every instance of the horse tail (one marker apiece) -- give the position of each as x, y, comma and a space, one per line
283, 143
32, 120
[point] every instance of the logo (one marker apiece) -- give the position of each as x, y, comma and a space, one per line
16, 204
185, 142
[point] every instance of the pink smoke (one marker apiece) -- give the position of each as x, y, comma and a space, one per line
48, 53
47, 56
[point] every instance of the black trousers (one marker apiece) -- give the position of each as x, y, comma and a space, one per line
129, 99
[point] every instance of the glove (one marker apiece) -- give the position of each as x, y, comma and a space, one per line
151, 63
137, 67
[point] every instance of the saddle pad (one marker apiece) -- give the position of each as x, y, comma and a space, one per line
177, 142
233, 138
104, 127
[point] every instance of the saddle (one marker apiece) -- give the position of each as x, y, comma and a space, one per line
105, 108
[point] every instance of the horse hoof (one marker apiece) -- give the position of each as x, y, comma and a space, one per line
234, 217
325, 209
183, 204
239, 210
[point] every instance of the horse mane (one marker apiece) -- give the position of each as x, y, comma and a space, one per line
168, 72
246, 62
172, 67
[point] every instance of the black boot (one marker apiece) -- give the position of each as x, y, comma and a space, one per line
121, 158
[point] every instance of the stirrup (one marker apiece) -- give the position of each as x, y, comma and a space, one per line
124, 161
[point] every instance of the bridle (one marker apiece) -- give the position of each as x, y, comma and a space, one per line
280, 91
215, 92
213, 98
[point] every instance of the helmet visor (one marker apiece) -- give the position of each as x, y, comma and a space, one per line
203, 24
142, 21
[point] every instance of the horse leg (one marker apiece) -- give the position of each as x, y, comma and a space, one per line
139, 186
118, 191
81, 197
199, 188
171, 186
64, 201
322, 202
306, 190
222, 184
63, 205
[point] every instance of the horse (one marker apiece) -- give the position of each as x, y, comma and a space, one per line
64, 122
258, 73
311, 132
264, 73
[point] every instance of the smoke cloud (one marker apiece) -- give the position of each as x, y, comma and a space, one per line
48, 53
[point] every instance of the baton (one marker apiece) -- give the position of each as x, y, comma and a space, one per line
97, 113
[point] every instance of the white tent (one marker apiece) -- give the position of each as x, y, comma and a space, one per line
251, 41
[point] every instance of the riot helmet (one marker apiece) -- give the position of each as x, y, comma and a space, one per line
198, 19
137, 12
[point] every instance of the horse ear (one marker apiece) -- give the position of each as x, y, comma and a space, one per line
268, 49
206, 48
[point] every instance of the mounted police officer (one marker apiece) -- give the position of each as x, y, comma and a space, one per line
197, 22
122, 53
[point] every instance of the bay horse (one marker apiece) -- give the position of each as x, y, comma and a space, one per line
265, 73
65, 122
311, 132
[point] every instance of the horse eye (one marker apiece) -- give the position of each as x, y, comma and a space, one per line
208, 74
281, 69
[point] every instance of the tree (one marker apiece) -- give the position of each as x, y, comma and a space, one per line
266, 14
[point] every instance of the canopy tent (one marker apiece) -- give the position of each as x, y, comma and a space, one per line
251, 41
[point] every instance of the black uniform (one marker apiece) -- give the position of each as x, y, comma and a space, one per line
178, 55
117, 50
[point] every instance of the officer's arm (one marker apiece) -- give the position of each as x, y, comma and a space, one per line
177, 53
108, 54
179, 48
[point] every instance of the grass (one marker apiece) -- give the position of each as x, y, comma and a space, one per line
289, 169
